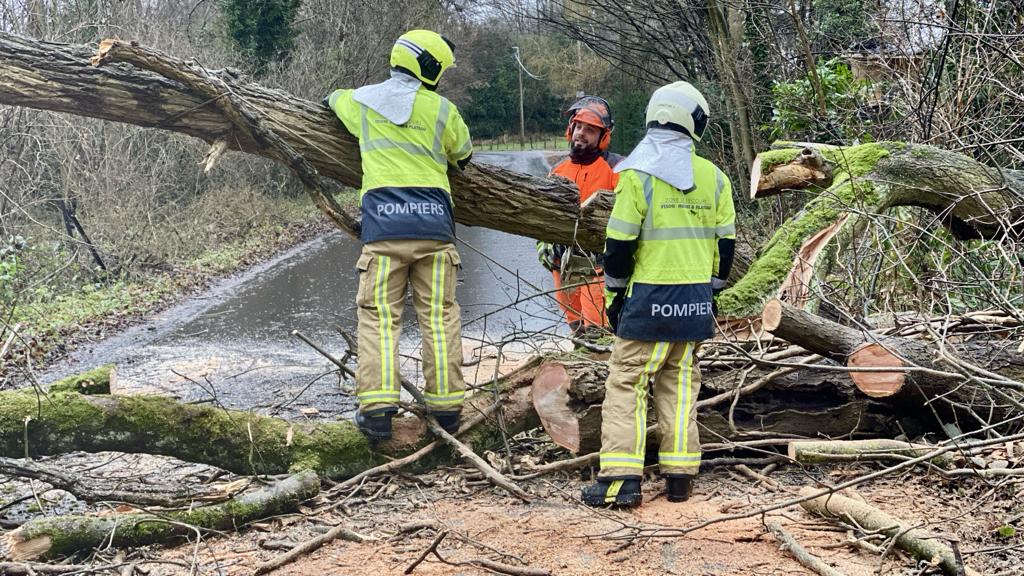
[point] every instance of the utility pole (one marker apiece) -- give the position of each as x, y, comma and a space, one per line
522, 118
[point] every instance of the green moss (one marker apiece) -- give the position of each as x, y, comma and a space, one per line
859, 160
849, 189
95, 381
772, 158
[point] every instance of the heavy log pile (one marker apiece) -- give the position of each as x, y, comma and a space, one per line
793, 375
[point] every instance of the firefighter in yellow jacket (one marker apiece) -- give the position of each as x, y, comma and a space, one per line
669, 248
408, 135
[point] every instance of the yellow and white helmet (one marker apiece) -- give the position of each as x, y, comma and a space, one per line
424, 54
680, 107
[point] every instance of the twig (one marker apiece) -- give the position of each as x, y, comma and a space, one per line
800, 553
561, 465
399, 463
431, 548
310, 545
490, 473
408, 386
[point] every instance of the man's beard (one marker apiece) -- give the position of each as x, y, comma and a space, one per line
580, 155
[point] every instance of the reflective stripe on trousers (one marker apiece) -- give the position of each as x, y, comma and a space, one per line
676, 381
385, 269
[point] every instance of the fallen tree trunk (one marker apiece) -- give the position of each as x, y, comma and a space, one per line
60, 78
976, 201
972, 200
867, 518
567, 395
925, 374
237, 441
56, 536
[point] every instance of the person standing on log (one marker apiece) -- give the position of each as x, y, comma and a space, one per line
590, 167
668, 249
408, 134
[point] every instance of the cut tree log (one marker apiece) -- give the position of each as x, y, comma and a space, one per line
875, 450
927, 376
802, 403
237, 441
918, 542
55, 536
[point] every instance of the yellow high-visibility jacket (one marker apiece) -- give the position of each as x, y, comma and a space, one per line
405, 192
662, 246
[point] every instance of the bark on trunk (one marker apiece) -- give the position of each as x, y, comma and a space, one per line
56, 536
927, 547
972, 200
60, 78
930, 377
241, 442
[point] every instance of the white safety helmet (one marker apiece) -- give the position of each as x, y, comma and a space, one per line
680, 107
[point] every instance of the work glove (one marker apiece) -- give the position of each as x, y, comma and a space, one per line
717, 285
550, 255
614, 298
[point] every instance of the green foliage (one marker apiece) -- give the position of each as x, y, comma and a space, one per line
629, 108
261, 30
795, 113
493, 109
1006, 531
841, 24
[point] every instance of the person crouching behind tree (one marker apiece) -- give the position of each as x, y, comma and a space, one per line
668, 249
408, 134
590, 167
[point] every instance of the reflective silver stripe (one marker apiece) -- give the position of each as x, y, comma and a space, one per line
679, 233
364, 132
412, 47
465, 150
439, 126
648, 183
726, 230
414, 149
719, 185
673, 458
624, 227
613, 282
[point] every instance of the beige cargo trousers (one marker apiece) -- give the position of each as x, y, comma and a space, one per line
673, 368
385, 269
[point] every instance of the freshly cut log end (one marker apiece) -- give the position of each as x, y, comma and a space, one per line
771, 316
21, 549
876, 384
808, 169
550, 393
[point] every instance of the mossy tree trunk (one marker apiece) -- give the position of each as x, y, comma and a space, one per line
973, 201
237, 441
56, 536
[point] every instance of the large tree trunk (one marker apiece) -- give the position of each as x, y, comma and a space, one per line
567, 395
972, 200
237, 441
947, 380
60, 78
47, 76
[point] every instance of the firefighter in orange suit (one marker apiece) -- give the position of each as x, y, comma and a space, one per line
590, 167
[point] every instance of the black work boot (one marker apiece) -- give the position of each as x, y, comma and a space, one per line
375, 424
679, 488
609, 492
448, 420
